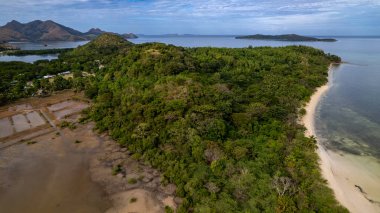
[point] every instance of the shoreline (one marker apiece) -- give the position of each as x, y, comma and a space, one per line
339, 170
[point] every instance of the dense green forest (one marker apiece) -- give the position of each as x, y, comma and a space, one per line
20, 79
219, 123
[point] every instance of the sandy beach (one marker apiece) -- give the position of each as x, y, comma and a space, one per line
354, 179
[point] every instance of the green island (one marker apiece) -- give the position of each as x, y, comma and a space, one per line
219, 123
285, 37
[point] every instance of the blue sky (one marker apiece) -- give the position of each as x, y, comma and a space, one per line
320, 17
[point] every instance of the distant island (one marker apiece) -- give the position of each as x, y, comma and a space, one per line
40, 31
285, 37
6, 47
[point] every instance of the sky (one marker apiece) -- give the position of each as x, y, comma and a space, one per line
230, 17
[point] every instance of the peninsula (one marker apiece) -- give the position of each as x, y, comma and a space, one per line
285, 37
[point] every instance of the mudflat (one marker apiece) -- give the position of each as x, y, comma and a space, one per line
48, 167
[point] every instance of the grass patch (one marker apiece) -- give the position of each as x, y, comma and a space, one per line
31, 142
168, 209
132, 181
78, 141
133, 200
116, 169
66, 124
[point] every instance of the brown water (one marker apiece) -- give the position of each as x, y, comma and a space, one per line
49, 176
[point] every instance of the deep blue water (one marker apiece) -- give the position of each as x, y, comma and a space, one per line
349, 115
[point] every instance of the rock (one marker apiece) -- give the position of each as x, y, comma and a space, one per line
118, 162
123, 149
148, 175
147, 179
120, 175
116, 156
169, 189
156, 173
169, 201
132, 176
152, 184
178, 200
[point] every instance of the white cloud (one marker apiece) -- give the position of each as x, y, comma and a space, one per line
273, 14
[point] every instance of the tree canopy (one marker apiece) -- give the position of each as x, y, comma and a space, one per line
219, 123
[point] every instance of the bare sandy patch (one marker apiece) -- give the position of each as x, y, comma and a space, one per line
137, 200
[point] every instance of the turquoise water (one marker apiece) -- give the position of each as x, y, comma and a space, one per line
348, 118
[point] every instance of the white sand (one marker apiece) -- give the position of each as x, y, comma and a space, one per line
343, 172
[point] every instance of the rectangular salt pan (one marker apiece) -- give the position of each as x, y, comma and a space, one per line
61, 105
35, 119
77, 107
6, 128
20, 123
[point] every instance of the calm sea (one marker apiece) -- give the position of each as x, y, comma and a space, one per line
40, 46
349, 115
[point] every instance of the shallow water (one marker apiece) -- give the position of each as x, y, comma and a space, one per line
40, 46
27, 58
48, 45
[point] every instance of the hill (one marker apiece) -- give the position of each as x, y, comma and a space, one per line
219, 123
38, 31
94, 32
285, 37
45, 31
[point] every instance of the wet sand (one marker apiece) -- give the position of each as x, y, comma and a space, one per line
42, 168
347, 175
45, 168
49, 176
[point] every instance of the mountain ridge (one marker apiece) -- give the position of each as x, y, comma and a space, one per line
49, 30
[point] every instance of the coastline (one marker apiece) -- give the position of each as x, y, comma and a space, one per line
342, 172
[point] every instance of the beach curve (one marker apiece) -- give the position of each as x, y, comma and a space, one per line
334, 166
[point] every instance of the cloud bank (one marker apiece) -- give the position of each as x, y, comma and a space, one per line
321, 17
